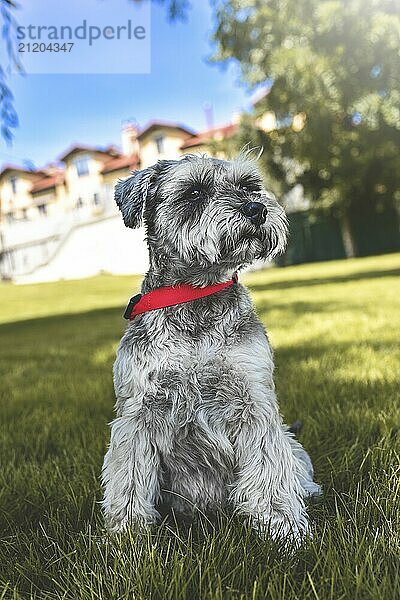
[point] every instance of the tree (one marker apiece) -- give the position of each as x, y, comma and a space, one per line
8, 116
333, 71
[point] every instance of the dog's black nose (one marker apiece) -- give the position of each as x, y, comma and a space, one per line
256, 212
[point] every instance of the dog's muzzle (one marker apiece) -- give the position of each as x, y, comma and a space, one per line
256, 212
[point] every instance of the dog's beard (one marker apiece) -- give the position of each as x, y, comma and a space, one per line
233, 238
239, 243
245, 246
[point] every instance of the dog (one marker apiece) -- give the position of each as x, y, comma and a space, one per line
197, 422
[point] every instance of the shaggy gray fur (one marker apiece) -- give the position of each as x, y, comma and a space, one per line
198, 424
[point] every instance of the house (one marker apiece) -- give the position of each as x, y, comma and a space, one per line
15, 192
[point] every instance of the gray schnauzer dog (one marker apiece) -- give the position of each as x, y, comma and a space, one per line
198, 425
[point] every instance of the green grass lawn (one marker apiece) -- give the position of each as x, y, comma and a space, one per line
335, 328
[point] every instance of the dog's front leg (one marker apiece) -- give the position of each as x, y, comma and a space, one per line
267, 486
130, 476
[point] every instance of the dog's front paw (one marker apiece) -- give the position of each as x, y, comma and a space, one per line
312, 491
281, 527
137, 523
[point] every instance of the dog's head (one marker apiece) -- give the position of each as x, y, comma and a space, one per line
204, 211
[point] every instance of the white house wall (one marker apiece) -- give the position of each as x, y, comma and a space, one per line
90, 249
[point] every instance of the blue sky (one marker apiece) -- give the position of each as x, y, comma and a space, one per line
57, 110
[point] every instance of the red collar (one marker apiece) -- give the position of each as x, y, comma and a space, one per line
170, 296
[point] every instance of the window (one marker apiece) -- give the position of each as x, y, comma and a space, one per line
96, 199
42, 208
13, 183
82, 166
10, 217
24, 214
159, 141
79, 203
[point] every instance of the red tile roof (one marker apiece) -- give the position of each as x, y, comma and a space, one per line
48, 182
121, 162
151, 125
9, 167
106, 152
203, 137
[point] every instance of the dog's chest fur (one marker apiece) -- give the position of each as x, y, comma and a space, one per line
192, 374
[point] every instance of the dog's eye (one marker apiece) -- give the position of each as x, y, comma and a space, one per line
249, 187
197, 192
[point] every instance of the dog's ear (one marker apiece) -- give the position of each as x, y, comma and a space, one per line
130, 195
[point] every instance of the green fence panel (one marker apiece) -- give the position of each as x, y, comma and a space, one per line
376, 232
317, 237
